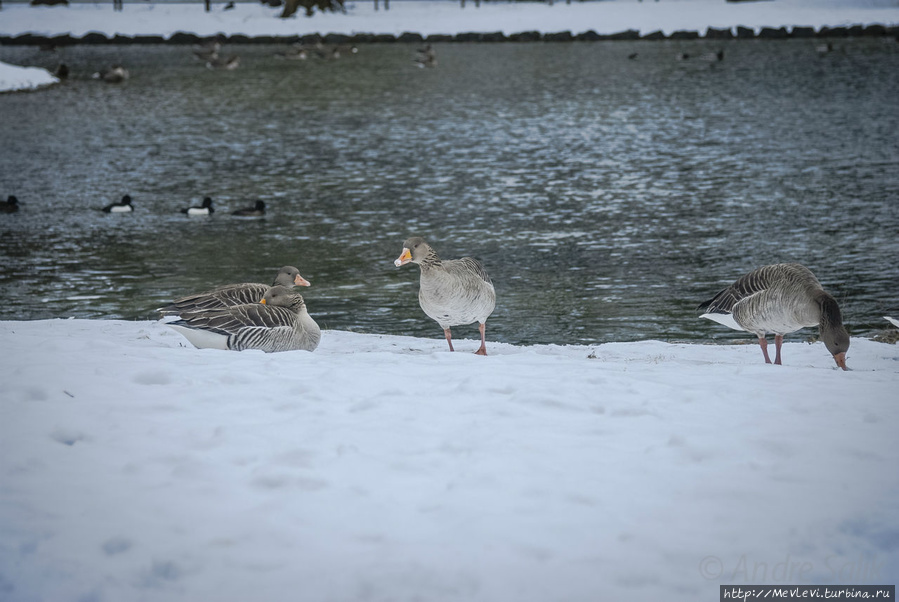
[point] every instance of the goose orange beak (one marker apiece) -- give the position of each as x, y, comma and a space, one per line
300, 281
403, 259
840, 359
262, 301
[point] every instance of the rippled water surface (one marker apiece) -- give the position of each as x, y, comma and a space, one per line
606, 196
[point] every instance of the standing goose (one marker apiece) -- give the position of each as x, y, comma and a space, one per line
229, 295
780, 298
279, 322
453, 292
205, 209
123, 206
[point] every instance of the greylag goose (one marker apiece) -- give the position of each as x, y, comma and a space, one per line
208, 50
452, 292
10, 206
123, 206
297, 52
257, 210
279, 322
426, 57
229, 64
116, 75
205, 209
780, 298
232, 294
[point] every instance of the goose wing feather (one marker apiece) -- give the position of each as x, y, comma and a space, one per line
231, 320
753, 283
468, 265
218, 298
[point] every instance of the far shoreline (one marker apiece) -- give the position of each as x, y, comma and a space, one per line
93, 38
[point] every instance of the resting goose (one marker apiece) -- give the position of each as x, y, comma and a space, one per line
452, 292
205, 209
257, 210
279, 322
780, 298
10, 206
232, 294
123, 206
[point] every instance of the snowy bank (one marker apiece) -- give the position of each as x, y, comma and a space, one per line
14, 78
445, 17
134, 467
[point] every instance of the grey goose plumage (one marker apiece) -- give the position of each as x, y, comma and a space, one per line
232, 294
280, 322
780, 299
452, 292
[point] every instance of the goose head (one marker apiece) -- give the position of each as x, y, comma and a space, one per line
415, 249
836, 339
289, 276
281, 296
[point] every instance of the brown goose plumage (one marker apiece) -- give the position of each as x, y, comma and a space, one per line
280, 322
780, 299
232, 294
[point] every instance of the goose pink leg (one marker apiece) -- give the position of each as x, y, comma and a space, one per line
482, 350
449, 338
763, 343
778, 341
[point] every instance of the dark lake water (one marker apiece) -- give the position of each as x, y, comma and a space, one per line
606, 196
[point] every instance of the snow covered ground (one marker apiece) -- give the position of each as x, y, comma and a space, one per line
14, 78
135, 467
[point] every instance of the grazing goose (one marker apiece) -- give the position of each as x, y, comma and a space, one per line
780, 298
279, 322
256, 210
452, 292
10, 206
123, 206
204, 209
892, 321
230, 295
